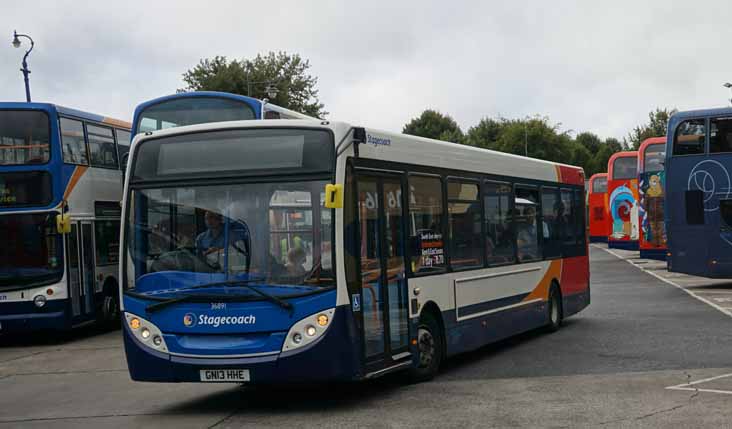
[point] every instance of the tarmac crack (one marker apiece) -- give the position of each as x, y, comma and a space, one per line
224, 419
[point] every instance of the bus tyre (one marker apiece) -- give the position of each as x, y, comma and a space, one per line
554, 309
110, 307
429, 345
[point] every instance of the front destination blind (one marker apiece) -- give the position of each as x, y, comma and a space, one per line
23, 189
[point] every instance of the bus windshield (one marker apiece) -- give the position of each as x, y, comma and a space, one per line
24, 137
190, 111
31, 251
277, 233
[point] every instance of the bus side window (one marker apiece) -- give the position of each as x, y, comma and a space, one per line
426, 235
694, 207
123, 146
720, 135
74, 145
689, 138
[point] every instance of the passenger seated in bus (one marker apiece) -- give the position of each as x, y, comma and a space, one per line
295, 260
526, 236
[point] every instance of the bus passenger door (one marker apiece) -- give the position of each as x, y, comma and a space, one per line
382, 269
73, 269
87, 268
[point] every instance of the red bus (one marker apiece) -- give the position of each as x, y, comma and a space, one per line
651, 185
622, 190
599, 216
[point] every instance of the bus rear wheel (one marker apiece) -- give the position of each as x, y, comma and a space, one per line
554, 309
429, 347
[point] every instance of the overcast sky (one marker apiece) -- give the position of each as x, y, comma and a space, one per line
590, 66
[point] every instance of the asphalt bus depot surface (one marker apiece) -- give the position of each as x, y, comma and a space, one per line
644, 354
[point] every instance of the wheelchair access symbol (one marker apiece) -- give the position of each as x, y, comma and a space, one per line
356, 302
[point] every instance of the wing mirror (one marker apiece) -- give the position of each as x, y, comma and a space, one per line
63, 223
333, 196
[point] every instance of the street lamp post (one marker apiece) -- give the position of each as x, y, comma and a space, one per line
728, 86
26, 72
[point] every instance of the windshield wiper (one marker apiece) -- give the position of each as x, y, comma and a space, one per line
271, 298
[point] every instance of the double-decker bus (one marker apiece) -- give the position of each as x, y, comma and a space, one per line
60, 191
651, 184
199, 107
599, 216
699, 192
285, 251
622, 189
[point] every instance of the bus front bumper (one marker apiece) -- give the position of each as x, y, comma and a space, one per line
25, 316
332, 358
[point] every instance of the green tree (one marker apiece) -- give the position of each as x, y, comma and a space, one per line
486, 133
287, 72
656, 127
435, 125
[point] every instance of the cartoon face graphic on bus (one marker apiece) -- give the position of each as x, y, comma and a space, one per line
624, 212
651, 208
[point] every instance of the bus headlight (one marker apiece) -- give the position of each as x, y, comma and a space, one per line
145, 332
39, 301
308, 330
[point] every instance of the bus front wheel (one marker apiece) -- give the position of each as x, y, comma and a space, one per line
429, 345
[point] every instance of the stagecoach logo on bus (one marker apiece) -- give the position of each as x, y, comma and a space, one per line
190, 320
377, 141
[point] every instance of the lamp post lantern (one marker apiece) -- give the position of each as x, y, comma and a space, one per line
728, 86
26, 72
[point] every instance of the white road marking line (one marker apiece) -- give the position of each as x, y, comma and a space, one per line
689, 387
704, 300
703, 380
714, 291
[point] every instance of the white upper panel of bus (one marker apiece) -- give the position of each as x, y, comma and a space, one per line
394, 147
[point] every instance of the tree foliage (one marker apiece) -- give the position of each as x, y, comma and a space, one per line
536, 137
656, 127
433, 124
287, 72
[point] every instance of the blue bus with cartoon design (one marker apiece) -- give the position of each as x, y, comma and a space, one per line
698, 213
60, 191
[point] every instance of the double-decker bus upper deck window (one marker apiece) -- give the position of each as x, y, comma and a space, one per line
72, 140
720, 135
599, 185
24, 137
689, 137
625, 167
191, 111
654, 158
102, 151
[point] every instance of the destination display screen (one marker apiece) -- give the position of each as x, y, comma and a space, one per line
27, 188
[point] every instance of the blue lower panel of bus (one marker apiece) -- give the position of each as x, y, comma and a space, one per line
622, 244
474, 333
598, 239
25, 316
335, 356
658, 254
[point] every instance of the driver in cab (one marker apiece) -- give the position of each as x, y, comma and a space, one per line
212, 240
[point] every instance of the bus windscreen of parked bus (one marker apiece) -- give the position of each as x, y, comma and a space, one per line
24, 137
31, 251
191, 111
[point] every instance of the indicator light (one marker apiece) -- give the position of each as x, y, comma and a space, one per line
322, 319
135, 323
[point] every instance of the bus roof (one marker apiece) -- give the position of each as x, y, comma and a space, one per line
648, 142
67, 111
407, 148
678, 117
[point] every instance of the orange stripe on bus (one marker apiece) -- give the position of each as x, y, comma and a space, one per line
117, 122
542, 289
75, 176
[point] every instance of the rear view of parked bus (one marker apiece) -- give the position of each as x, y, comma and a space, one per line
599, 216
58, 271
699, 193
291, 251
651, 184
622, 189
190, 108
